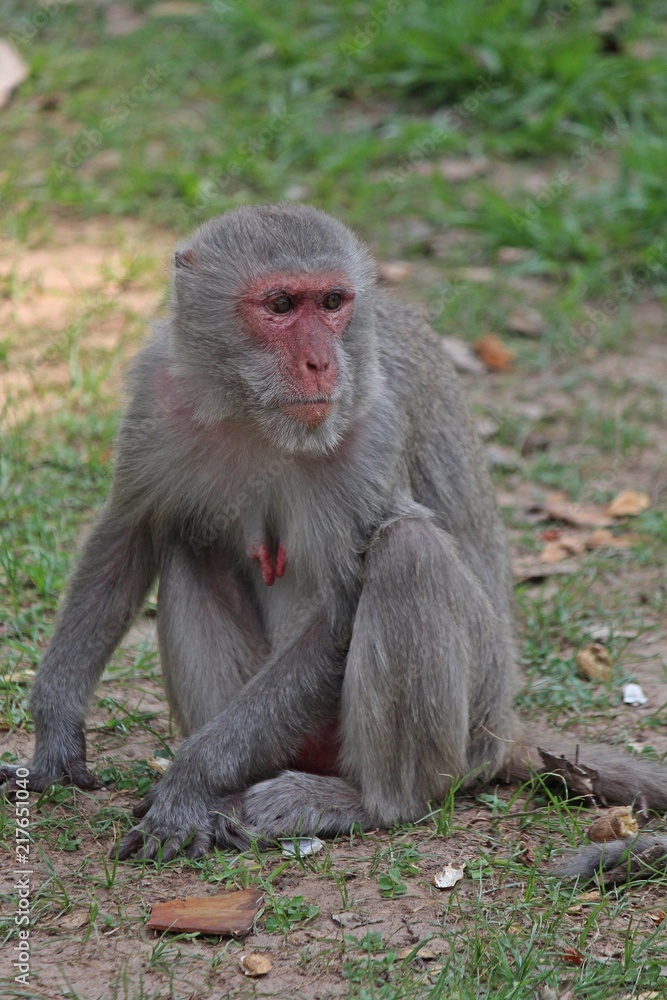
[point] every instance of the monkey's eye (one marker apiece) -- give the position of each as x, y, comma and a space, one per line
332, 301
280, 304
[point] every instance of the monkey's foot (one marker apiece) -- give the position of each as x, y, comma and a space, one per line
38, 777
166, 831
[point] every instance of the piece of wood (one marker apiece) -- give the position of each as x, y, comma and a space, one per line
226, 914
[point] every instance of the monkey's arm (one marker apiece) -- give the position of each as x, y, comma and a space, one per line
114, 572
253, 738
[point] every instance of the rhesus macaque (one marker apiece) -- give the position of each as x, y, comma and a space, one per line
335, 598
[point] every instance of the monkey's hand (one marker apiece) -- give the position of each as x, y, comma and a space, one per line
40, 773
175, 819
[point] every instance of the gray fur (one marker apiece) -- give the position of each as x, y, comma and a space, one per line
395, 609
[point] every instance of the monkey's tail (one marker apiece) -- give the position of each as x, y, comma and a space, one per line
620, 778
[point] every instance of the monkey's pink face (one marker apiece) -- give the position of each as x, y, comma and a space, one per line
300, 319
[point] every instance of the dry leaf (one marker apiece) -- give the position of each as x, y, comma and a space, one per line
602, 538
255, 965
350, 919
613, 824
449, 876
227, 913
579, 779
580, 515
526, 321
75, 920
594, 662
455, 170
395, 271
527, 568
553, 552
657, 917
427, 954
512, 255
573, 956
550, 534
526, 854
491, 350
462, 356
590, 897
159, 764
628, 504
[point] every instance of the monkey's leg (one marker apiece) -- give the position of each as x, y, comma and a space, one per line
292, 804
210, 635
428, 675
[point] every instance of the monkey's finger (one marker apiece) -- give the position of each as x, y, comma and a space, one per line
128, 846
198, 846
79, 775
142, 807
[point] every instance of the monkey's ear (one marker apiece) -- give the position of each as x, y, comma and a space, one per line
185, 258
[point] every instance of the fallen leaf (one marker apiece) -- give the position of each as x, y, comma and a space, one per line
550, 534
395, 271
526, 853
350, 920
159, 764
602, 538
255, 965
455, 170
300, 847
657, 917
616, 823
13, 71
633, 695
75, 920
462, 356
526, 321
512, 255
553, 552
594, 662
579, 779
628, 504
580, 515
493, 353
227, 913
590, 897
573, 956
526, 568
426, 954
449, 876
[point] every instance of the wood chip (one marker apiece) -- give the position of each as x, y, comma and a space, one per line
255, 965
228, 913
594, 662
629, 503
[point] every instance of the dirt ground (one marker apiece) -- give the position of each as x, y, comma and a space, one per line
89, 937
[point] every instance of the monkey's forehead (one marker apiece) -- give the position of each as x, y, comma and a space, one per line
287, 239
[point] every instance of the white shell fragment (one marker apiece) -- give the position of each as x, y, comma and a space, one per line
300, 847
633, 695
448, 877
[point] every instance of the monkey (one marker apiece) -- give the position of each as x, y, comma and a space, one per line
298, 468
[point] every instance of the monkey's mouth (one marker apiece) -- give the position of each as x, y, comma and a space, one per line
311, 412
